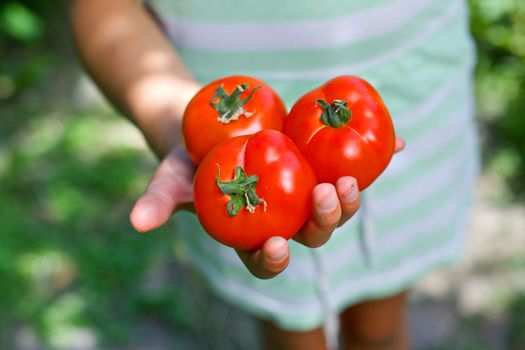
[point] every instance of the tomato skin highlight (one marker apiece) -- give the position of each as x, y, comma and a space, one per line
361, 148
286, 181
201, 128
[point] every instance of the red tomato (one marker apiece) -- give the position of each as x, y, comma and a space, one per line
228, 107
250, 188
343, 128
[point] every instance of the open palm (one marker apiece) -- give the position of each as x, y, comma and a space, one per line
171, 189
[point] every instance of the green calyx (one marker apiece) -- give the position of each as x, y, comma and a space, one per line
241, 191
230, 107
335, 114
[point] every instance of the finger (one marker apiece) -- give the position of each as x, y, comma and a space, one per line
268, 261
170, 187
349, 197
326, 214
400, 144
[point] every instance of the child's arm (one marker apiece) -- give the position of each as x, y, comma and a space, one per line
140, 73
135, 66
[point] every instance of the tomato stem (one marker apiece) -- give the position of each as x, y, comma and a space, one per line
241, 191
230, 107
335, 114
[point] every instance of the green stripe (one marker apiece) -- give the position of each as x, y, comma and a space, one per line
388, 222
424, 242
395, 288
241, 275
345, 237
389, 185
384, 224
391, 221
412, 78
435, 60
194, 243
274, 287
266, 11
311, 59
443, 113
417, 246
251, 305
299, 323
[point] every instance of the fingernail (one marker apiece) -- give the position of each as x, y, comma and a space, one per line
278, 249
352, 194
330, 203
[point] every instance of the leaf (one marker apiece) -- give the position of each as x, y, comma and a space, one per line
234, 206
20, 23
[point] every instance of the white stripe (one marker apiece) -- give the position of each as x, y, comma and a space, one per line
417, 190
438, 219
262, 36
438, 97
366, 284
259, 297
358, 68
432, 140
395, 239
404, 238
297, 270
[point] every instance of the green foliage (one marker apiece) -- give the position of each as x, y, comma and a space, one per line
20, 23
69, 260
26, 41
499, 29
515, 333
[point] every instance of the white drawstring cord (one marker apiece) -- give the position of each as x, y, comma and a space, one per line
366, 241
366, 227
331, 326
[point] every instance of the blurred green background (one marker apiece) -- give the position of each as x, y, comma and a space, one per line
74, 275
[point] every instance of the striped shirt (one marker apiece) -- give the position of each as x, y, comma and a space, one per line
419, 56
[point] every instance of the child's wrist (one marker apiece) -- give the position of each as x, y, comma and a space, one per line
158, 110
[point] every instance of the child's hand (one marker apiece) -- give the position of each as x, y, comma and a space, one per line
171, 189
332, 207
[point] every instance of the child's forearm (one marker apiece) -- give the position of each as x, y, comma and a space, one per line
135, 66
